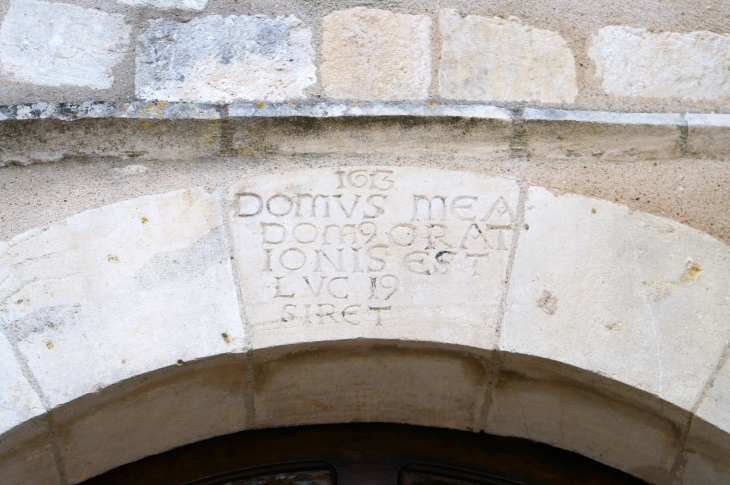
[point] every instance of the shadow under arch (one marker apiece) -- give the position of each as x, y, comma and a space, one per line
369, 381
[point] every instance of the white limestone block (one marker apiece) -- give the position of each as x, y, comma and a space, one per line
18, 401
219, 59
194, 5
119, 291
56, 44
491, 59
373, 54
637, 298
635, 62
370, 259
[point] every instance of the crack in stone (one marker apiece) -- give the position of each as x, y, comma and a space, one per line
680, 460
683, 137
518, 137
48, 418
497, 359
248, 396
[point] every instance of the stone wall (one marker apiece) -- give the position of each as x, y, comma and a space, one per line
534, 243
647, 55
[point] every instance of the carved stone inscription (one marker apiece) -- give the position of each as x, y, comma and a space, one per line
373, 251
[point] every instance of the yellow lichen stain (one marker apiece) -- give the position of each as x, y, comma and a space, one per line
112, 258
431, 105
145, 220
49, 345
146, 124
261, 105
155, 110
226, 338
593, 211
691, 272
290, 104
211, 136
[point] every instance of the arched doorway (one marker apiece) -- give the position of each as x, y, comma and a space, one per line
365, 454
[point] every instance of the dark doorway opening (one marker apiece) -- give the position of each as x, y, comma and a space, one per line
365, 454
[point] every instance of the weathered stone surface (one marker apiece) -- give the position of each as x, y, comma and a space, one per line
640, 299
219, 59
56, 44
26, 456
370, 383
119, 291
18, 401
708, 135
169, 4
384, 253
373, 54
152, 414
603, 140
544, 403
341, 109
491, 59
708, 442
635, 62
716, 402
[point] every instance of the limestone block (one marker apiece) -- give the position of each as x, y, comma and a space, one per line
373, 54
640, 299
637, 63
536, 402
152, 414
26, 456
369, 383
600, 135
708, 442
56, 44
195, 5
18, 401
706, 453
708, 135
468, 138
219, 59
121, 290
491, 59
52, 140
372, 252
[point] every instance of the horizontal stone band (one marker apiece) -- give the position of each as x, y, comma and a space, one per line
163, 110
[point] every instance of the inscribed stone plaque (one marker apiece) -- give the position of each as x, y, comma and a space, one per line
377, 252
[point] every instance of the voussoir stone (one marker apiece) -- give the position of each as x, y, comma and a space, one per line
18, 401
195, 5
637, 298
492, 59
56, 44
118, 291
708, 440
385, 253
373, 54
635, 62
219, 59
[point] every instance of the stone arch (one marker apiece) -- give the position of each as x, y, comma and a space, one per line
141, 326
